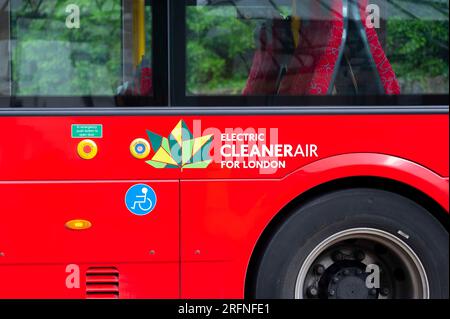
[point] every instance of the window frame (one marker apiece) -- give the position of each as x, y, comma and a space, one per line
181, 99
174, 102
159, 98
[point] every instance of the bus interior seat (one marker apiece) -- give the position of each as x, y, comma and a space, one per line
145, 80
384, 68
274, 47
316, 62
316, 59
312, 64
140, 85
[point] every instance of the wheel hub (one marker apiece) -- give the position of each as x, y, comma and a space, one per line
346, 280
336, 268
350, 283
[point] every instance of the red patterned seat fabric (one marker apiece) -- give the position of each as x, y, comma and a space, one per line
384, 67
311, 69
315, 59
265, 69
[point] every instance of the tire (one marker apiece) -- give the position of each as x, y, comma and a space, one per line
279, 272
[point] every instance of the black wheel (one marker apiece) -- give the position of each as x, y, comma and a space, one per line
356, 244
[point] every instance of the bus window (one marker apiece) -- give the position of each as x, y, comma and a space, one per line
137, 59
316, 48
4, 50
72, 49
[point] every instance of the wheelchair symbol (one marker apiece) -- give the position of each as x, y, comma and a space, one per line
140, 199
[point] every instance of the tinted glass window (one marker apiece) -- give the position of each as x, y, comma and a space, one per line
316, 48
78, 48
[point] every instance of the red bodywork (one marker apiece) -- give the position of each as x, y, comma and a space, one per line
198, 241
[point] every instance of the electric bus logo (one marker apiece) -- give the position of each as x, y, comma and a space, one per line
181, 149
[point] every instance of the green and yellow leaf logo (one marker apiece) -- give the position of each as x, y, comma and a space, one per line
180, 149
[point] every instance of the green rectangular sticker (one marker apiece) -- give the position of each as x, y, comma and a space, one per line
87, 131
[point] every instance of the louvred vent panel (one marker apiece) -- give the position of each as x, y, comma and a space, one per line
102, 283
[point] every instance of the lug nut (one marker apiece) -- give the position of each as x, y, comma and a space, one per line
346, 272
360, 255
335, 279
319, 269
331, 292
385, 291
312, 291
373, 291
359, 272
337, 256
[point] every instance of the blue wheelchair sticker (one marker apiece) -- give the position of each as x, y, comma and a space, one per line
140, 199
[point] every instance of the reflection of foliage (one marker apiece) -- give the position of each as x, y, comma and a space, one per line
51, 59
219, 50
418, 50
218, 44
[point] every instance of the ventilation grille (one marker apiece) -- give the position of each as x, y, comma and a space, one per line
102, 283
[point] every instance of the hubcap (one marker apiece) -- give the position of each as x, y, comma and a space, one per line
362, 263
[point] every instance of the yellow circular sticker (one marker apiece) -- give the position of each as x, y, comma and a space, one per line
140, 148
87, 149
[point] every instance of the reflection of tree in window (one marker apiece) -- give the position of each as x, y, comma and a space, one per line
219, 49
417, 44
221, 43
50, 59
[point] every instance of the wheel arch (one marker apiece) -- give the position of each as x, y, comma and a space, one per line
373, 182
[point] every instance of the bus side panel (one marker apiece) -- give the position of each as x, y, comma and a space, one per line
223, 211
48, 281
220, 231
41, 148
36, 245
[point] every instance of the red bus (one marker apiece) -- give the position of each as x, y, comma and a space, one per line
224, 149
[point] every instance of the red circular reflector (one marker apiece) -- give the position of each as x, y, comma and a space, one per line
87, 149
